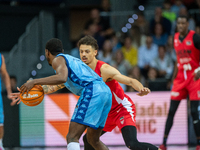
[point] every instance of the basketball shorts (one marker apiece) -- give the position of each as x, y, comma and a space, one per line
1, 111
93, 105
124, 116
182, 88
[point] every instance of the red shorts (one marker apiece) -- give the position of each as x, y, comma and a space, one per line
124, 116
182, 88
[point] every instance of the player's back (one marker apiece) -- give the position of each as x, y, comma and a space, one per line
79, 74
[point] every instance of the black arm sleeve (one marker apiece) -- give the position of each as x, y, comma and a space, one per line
196, 39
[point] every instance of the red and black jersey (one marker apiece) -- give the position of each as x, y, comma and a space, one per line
188, 56
118, 94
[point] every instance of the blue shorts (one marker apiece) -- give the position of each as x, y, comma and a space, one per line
1, 111
93, 105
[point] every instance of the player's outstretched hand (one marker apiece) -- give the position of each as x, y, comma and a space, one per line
15, 97
144, 91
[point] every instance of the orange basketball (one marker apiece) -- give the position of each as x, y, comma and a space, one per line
35, 96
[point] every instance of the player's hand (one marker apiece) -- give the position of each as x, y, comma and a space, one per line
144, 91
26, 87
197, 75
15, 97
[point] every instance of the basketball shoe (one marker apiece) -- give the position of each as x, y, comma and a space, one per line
198, 147
163, 147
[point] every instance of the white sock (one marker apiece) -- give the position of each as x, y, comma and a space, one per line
73, 146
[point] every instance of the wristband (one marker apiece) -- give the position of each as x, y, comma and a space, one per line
196, 70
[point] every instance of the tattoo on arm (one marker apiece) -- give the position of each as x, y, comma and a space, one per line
52, 88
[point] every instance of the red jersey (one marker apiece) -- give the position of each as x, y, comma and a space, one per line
118, 94
188, 56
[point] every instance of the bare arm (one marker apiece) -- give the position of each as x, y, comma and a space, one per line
109, 73
5, 77
52, 88
174, 72
59, 65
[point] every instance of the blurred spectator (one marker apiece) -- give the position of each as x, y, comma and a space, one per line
163, 63
120, 63
178, 4
138, 38
167, 13
154, 83
197, 30
152, 74
183, 12
75, 51
106, 53
105, 6
116, 44
158, 18
142, 23
103, 25
170, 48
159, 36
91, 28
130, 53
146, 53
136, 74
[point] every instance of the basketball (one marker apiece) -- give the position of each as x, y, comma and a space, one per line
35, 96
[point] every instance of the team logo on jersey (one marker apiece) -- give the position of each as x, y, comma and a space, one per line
188, 42
122, 120
175, 94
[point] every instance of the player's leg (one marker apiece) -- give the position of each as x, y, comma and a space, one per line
74, 134
1, 136
196, 121
1, 123
172, 110
130, 137
87, 146
93, 138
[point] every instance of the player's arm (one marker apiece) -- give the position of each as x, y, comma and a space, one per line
52, 88
108, 72
59, 65
196, 40
174, 72
5, 77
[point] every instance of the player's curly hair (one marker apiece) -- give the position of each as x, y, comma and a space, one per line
54, 46
88, 40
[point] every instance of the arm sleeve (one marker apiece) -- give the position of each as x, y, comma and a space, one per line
196, 39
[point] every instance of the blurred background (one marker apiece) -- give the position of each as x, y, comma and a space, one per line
133, 36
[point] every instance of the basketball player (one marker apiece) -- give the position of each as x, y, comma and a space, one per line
95, 96
6, 79
186, 82
123, 108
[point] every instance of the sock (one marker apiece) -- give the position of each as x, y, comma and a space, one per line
165, 140
73, 146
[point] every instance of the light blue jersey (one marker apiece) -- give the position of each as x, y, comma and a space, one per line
95, 99
1, 100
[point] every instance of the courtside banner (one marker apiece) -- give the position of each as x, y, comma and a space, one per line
47, 124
